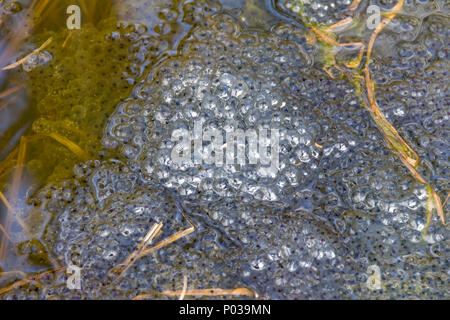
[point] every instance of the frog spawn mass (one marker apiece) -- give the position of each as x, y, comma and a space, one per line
329, 12
227, 94
339, 204
318, 12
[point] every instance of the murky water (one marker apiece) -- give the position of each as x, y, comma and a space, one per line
88, 149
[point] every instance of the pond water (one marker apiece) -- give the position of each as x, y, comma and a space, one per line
289, 149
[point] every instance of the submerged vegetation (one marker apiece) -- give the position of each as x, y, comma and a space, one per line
86, 176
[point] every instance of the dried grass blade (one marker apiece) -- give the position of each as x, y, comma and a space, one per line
167, 241
72, 146
125, 265
18, 63
34, 278
183, 292
11, 91
213, 292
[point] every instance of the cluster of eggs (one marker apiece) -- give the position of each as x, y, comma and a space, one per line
338, 207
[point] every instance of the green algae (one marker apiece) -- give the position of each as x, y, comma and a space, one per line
76, 92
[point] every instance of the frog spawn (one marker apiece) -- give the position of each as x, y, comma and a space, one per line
327, 13
99, 237
227, 95
358, 208
278, 250
353, 172
318, 12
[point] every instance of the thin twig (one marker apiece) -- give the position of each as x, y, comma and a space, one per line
183, 292
125, 265
354, 4
143, 250
438, 206
406, 154
18, 63
445, 201
213, 292
340, 25
327, 38
167, 241
34, 278
72, 146
5, 232
69, 36
11, 91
